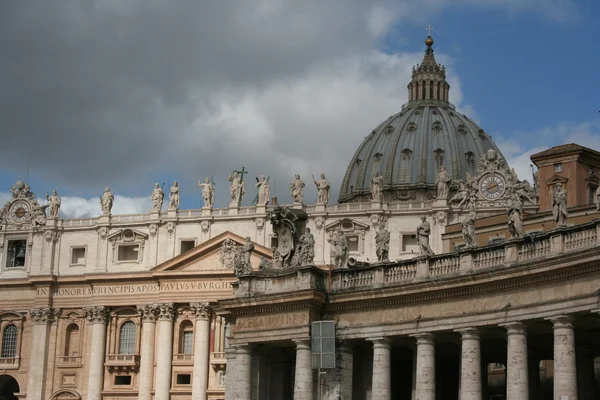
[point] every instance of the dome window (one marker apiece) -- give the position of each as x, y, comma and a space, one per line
438, 155
451, 114
378, 156
482, 134
389, 129
470, 156
462, 129
412, 127
435, 112
437, 127
406, 154
358, 161
417, 112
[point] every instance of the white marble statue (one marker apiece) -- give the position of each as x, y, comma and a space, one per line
376, 183
323, 189
208, 192
559, 205
515, 216
247, 249
468, 228
53, 204
443, 183
174, 196
264, 190
106, 201
597, 199
297, 189
339, 249
158, 197
236, 189
423, 232
307, 248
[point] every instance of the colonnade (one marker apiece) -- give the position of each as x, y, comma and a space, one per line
473, 372
163, 314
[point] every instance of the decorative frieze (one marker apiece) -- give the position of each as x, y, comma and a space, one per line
96, 314
44, 315
52, 236
165, 311
149, 312
201, 310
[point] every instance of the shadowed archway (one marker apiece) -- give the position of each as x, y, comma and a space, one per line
8, 387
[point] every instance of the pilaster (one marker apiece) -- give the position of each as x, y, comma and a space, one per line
203, 315
36, 377
146, 378
96, 316
164, 359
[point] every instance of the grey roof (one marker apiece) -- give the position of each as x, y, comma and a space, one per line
409, 147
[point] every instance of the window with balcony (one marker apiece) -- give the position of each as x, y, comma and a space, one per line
127, 338
9, 342
128, 252
15, 255
186, 342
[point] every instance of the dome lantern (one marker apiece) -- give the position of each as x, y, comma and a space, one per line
428, 78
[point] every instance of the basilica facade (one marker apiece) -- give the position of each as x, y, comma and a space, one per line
217, 303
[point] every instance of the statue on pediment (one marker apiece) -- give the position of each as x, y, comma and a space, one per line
53, 204
245, 265
174, 196
208, 192
106, 201
339, 249
423, 233
158, 197
297, 189
559, 205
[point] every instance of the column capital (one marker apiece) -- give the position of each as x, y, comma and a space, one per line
44, 315
242, 349
424, 338
165, 311
515, 328
380, 342
469, 334
96, 314
201, 310
149, 312
302, 344
562, 321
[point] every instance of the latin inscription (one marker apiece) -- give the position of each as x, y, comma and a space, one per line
133, 289
271, 321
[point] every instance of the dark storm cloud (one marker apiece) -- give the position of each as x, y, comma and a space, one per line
92, 90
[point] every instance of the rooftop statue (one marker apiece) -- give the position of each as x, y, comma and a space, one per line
382, 245
468, 227
174, 196
264, 190
559, 205
208, 192
515, 216
423, 232
323, 188
376, 183
443, 183
158, 197
236, 189
106, 201
53, 204
297, 189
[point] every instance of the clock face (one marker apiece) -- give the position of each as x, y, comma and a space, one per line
19, 211
492, 186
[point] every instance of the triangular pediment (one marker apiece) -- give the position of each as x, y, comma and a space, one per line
346, 225
554, 179
592, 179
206, 256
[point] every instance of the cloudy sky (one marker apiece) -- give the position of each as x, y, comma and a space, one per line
125, 93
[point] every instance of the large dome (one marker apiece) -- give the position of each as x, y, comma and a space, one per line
409, 148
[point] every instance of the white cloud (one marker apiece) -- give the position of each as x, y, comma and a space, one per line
518, 154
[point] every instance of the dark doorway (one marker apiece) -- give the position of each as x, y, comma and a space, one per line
8, 387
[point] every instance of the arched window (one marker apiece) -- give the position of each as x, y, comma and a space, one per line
127, 338
9, 342
186, 338
72, 341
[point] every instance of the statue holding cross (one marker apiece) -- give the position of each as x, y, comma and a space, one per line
236, 189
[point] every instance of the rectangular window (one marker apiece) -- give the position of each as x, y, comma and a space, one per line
558, 167
78, 256
186, 245
123, 380
274, 242
592, 194
352, 244
410, 243
188, 342
15, 255
184, 379
128, 252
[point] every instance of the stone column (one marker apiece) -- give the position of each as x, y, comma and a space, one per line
565, 370
96, 316
517, 373
230, 377
36, 376
425, 384
164, 358
149, 316
303, 384
381, 383
201, 350
470, 372
243, 373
